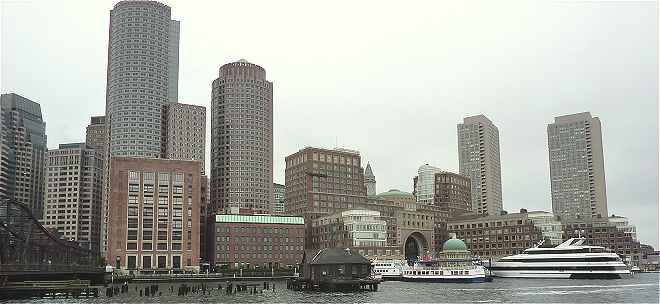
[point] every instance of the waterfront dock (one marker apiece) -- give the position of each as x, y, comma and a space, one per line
333, 284
48, 289
164, 278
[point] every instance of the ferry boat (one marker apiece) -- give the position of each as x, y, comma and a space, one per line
454, 264
390, 270
570, 259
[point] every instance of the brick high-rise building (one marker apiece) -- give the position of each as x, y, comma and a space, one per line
452, 193
23, 152
577, 172
153, 222
96, 135
479, 159
320, 182
73, 193
278, 198
184, 129
242, 138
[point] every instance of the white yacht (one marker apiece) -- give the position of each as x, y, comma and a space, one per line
570, 259
390, 270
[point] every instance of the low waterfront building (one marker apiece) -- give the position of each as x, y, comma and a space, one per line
340, 267
649, 258
257, 240
606, 233
153, 222
495, 236
363, 231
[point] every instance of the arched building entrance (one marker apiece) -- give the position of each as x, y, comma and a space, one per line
415, 246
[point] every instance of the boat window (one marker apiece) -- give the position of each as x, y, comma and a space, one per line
583, 250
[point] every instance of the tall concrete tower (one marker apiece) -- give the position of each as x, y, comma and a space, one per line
242, 138
143, 70
577, 172
369, 180
479, 159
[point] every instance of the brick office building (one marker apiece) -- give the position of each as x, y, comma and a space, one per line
604, 232
153, 223
257, 241
496, 236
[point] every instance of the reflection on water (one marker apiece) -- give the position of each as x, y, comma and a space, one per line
642, 288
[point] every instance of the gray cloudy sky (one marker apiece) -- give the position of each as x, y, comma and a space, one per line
389, 80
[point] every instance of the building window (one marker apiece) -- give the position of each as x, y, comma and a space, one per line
131, 262
162, 261
146, 262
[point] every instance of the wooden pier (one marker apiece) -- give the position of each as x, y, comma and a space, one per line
299, 284
48, 289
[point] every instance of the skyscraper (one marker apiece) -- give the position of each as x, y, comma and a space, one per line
479, 159
96, 134
424, 184
185, 132
577, 173
369, 180
278, 198
23, 151
320, 182
242, 138
449, 191
73, 193
142, 74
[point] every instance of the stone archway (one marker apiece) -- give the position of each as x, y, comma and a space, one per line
415, 246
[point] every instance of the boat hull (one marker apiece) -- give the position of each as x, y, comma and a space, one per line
392, 278
555, 275
445, 279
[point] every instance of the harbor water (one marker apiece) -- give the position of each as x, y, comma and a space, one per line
640, 288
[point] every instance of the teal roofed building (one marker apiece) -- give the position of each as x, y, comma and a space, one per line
454, 245
455, 252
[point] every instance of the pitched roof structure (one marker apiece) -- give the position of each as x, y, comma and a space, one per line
334, 256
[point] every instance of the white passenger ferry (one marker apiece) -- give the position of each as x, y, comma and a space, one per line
570, 259
390, 270
454, 264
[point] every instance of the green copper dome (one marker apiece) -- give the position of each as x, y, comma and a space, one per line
395, 192
454, 245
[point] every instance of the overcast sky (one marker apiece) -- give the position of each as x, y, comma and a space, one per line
391, 81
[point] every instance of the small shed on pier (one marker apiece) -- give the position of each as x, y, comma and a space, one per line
335, 264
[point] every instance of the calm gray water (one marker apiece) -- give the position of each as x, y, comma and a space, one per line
642, 288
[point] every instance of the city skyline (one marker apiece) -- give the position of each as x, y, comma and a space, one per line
539, 87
